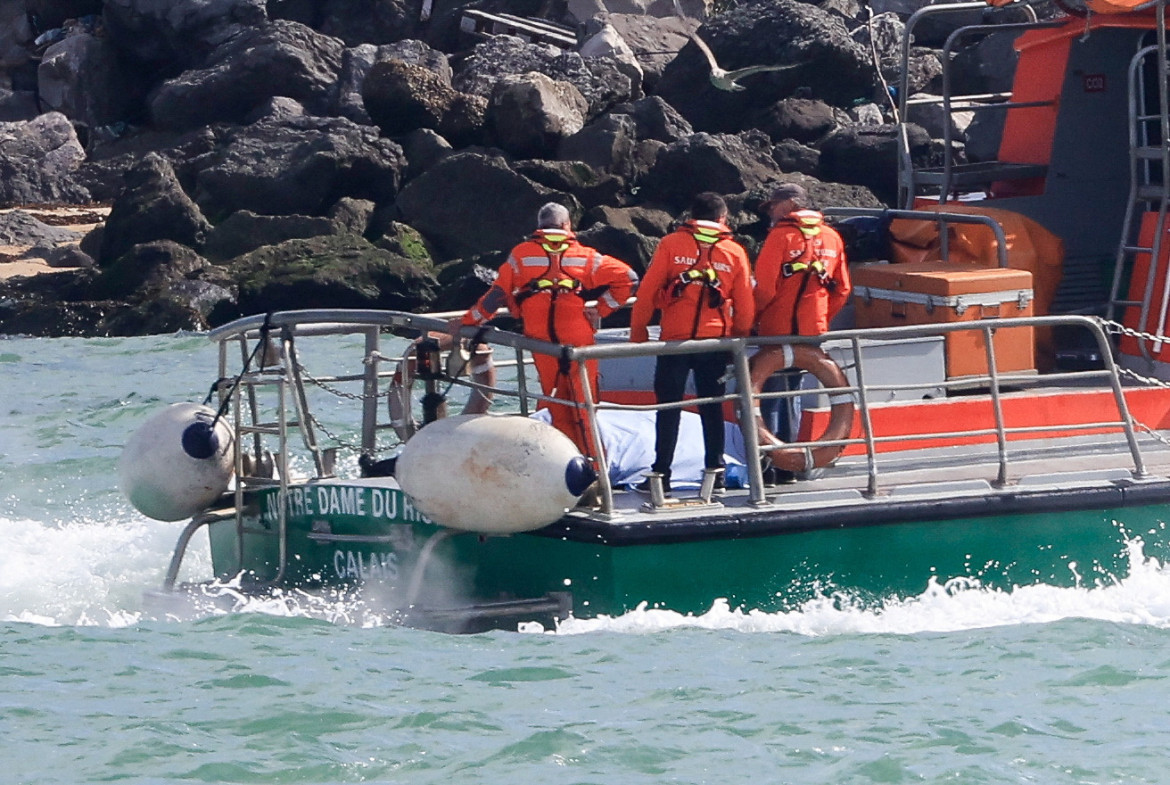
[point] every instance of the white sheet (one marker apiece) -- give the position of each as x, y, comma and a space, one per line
628, 439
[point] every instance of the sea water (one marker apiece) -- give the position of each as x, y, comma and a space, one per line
958, 684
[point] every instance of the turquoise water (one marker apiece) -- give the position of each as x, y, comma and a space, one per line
960, 684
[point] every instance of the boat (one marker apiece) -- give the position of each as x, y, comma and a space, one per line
992, 411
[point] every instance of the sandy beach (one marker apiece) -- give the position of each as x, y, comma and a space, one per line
76, 218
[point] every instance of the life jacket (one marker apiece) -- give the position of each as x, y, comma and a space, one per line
554, 282
809, 262
701, 274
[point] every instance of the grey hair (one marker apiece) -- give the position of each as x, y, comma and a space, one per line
553, 216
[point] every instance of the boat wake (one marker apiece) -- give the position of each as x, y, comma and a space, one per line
83, 573
1143, 597
95, 573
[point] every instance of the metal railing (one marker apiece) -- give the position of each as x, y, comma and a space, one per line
950, 174
290, 384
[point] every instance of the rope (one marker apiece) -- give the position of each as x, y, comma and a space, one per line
226, 403
877, 65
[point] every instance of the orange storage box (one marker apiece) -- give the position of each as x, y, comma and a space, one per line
889, 295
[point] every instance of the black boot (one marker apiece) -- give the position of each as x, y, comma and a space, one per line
644, 486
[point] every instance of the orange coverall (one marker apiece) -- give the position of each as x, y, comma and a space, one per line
700, 280
687, 310
544, 282
801, 276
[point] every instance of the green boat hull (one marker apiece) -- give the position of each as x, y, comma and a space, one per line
402, 559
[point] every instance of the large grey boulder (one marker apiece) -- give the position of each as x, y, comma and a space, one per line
598, 79
987, 66
632, 247
641, 220
152, 206
471, 203
357, 61
369, 21
107, 163
607, 143
19, 228
39, 159
151, 265
530, 114
244, 231
826, 62
591, 187
655, 119
723, 163
180, 33
423, 148
400, 97
297, 166
937, 122
281, 58
792, 156
804, 120
333, 271
165, 286
16, 35
868, 156
604, 40
82, 77
654, 41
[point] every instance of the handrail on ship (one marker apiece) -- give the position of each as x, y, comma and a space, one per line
299, 324
741, 348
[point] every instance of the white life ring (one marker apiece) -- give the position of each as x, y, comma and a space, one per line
807, 358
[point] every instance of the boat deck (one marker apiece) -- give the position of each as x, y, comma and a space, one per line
964, 475
951, 470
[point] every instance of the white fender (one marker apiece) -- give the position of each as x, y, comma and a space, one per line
176, 464
492, 474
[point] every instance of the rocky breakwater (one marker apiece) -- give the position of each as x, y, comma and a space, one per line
241, 156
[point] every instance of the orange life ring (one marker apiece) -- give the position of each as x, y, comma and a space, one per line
807, 358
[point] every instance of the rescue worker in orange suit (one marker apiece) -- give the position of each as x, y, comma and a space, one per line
801, 276
802, 281
700, 281
546, 282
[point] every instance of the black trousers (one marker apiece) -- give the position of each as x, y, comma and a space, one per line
670, 382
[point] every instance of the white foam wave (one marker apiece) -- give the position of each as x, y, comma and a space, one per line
1143, 597
97, 573
84, 572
